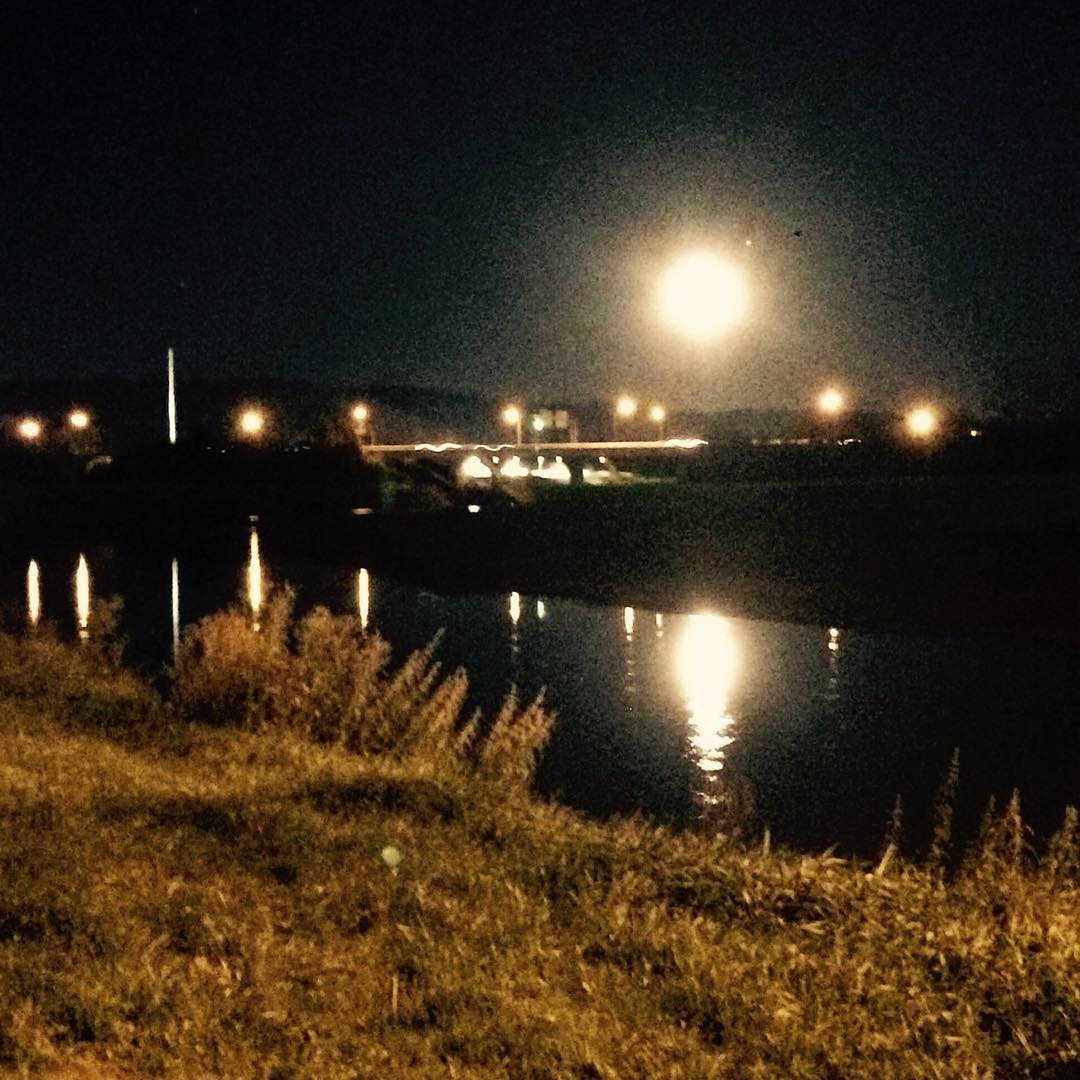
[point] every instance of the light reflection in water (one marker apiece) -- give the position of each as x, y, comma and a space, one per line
628, 628
541, 609
515, 640
33, 593
363, 596
175, 608
628, 622
82, 597
659, 625
254, 579
707, 661
832, 683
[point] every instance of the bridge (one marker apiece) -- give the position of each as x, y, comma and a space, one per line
574, 448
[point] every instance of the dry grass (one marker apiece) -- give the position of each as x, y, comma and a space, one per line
196, 888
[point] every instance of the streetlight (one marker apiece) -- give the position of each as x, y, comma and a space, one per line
658, 414
361, 415
831, 402
921, 422
701, 295
79, 419
537, 426
252, 423
30, 429
625, 408
512, 415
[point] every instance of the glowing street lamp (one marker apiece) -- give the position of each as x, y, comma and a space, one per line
625, 408
512, 415
30, 429
831, 402
538, 426
361, 417
252, 423
921, 422
658, 414
79, 419
701, 295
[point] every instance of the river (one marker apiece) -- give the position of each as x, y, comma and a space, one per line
688, 717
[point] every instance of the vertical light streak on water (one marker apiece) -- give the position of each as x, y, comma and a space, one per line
363, 596
659, 625
541, 610
515, 640
33, 593
172, 400
175, 610
82, 597
254, 579
707, 661
832, 683
628, 629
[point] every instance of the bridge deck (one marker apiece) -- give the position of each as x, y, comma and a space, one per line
534, 447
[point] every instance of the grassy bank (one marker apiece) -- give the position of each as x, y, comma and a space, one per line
300, 863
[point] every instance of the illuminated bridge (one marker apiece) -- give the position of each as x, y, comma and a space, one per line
563, 462
573, 448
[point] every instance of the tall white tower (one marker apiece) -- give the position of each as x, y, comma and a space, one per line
172, 400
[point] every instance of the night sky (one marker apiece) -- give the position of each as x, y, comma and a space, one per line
484, 197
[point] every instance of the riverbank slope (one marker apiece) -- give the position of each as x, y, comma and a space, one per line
305, 864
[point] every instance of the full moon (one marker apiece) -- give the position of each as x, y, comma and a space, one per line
701, 295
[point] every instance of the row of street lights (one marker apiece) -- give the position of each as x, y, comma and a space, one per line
625, 408
31, 429
920, 421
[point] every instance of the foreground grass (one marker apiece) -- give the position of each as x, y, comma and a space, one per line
201, 887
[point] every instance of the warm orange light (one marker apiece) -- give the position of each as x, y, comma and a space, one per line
254, 578
707, 661
921, 422
252, 422
363, 595
82, 595
657, 414
79, 419
360, 413
625, 406
831, 401
538, 423
33, 593
30, 429
511, 415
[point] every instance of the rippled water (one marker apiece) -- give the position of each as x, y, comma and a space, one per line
813, 731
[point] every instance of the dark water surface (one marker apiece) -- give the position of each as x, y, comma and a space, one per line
813, 731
